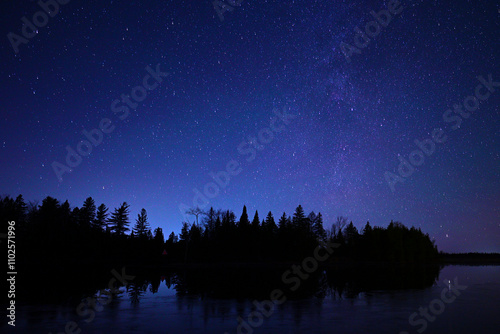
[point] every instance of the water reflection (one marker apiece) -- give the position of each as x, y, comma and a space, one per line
340, 282
342, 299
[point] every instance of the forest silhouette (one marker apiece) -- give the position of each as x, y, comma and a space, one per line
54, 234
69, 251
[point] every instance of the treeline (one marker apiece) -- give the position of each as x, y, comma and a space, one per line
219, 236
55, 234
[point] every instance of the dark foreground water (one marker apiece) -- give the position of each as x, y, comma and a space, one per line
333, 301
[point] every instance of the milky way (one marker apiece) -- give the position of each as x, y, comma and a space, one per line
228, 82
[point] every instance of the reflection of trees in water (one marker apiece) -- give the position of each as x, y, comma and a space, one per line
350, 282
217, 291
228, 293
136, 290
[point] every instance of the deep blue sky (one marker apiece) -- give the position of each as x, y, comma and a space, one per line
226, 81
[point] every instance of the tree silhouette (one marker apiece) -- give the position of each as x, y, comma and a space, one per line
282, 223
210, 222
244, 222
367, 230
337, 227
88, 212
119, 219
299, 218
54, 230
101, 217
256, 220
351, 233
184, 236
269, 225
158, 235
195, 212
317, 226
141, 227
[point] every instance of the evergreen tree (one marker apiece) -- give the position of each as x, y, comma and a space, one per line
317, 226
87, 212
158, 235
195, 234
48, 210
367, 230
299, 217
256, 220
244, 221
228, 219
170, 244
210, 223
172, 238
75, 216
351, 233
119, 219
184, 236
269, 224
101, 217
65, 211
282, 223
20, 208
141, 227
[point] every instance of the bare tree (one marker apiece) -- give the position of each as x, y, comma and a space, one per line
195, 212
338, 226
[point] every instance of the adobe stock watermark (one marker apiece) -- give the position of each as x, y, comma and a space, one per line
292, 277
121, 108
427, 146
372, 29
248, 148
90, 306
29, 29
222, 7
436, 307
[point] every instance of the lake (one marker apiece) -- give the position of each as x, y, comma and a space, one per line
457, 299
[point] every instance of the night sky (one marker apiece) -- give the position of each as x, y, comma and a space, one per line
293, 97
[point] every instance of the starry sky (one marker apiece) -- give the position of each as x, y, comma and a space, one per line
277, 93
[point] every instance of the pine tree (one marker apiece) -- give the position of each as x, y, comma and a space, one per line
228, 220
141, 227
299, 218
367, 230
20, 208
87, 212
172, 238
101, 217
65, 214
210, 223
317, 227
184, 236
75, 216
269, 224
256, 220
48, 210
351, 233
244, 221
119, 219
283, 222
158, 235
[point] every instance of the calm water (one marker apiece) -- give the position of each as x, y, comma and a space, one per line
208, 302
